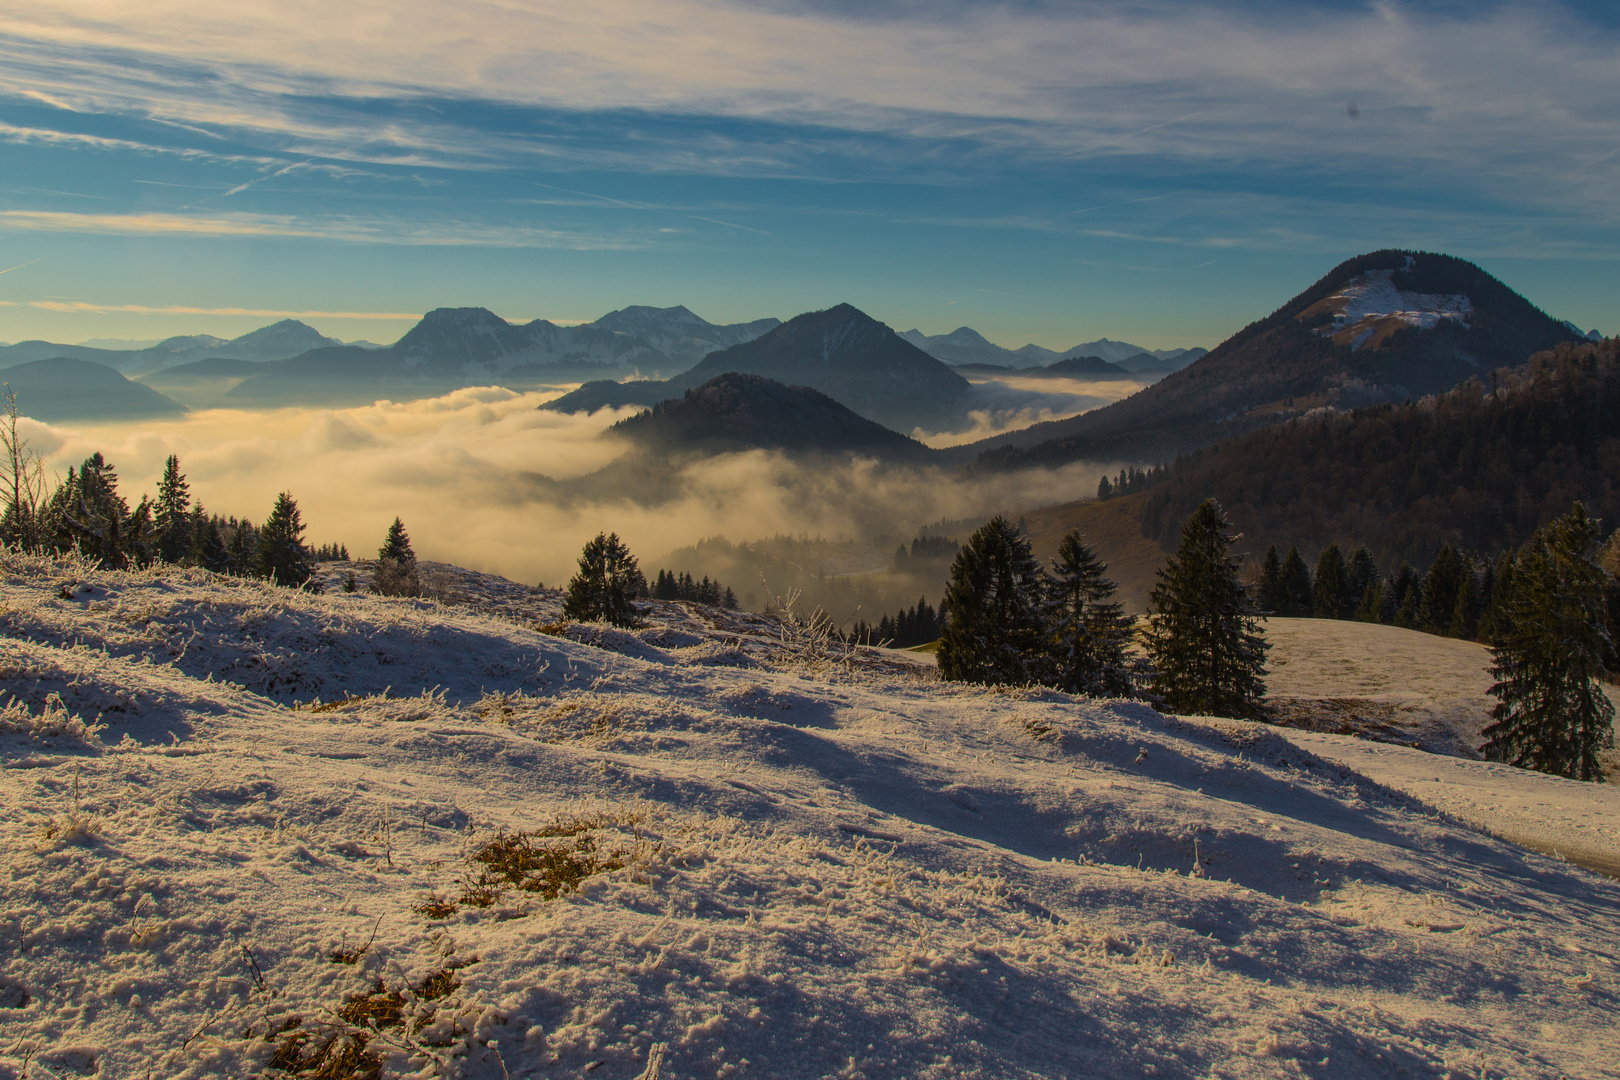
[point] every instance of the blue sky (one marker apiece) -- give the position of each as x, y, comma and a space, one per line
1157, 172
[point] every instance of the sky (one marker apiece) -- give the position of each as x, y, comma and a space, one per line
1161, 173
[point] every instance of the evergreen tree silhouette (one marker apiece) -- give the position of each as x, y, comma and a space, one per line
1090, 629
1551, 712
994, 630
1202, 636
607, 582
282, 557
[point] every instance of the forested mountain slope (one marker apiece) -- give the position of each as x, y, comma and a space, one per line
1477, 468
1384, 327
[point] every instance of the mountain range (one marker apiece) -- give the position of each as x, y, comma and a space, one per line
277, 341
965, 345
841, 352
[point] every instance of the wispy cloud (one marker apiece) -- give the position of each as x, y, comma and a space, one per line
87, 308
372, 231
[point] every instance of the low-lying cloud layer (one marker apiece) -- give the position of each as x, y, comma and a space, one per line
472, 475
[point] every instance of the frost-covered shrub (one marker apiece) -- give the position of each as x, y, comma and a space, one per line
52, 722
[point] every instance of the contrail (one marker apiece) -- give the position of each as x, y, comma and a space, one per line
19, 266
262, 179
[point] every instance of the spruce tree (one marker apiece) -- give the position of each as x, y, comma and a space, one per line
397, 545
1202, 636
1271, 582
1371, 607
1328, 603
1437, 603
994, 630
395, 573
1089, 630
1295, 589
1465, 613
1405, 591
176, 533
212, 554
1360, 572
607, 582
282, 557
1552, 714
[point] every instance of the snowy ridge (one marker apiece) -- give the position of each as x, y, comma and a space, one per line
800, 863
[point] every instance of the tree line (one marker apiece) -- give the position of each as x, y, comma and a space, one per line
1480, 468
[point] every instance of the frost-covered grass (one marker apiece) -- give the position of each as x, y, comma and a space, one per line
350, 832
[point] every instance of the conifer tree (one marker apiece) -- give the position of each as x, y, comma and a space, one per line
138, 537
1296, 592
212, 554
397, 545
1466, 611
1202, 636
1271, 601
91, 513
1437, 603
1089, 628
176, 534
994, 630
1328, 603
606, 584
1551, 712
395, 573
1360, 572
1405, 591
282, 557
1371, 607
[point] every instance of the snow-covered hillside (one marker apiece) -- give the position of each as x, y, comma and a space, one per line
471, 841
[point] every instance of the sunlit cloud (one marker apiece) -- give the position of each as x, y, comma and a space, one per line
437, 233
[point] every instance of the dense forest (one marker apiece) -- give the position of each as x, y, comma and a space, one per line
1479, 468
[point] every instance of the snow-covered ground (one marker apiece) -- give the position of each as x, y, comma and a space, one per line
1370, 303
470, 841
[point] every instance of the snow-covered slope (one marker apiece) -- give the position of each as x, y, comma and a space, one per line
743, 856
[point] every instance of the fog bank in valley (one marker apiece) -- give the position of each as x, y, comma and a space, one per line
484, 479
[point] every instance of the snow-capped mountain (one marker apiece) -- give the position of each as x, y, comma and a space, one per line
1385, 326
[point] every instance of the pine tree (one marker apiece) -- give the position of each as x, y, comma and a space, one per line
282, 557
994, 631
1271, 601
1105, 488
1202, 635
176, 535
1551, 712
395, 573
1359, 573
1328, 603
1438, 601
212, 554
91, 513
1371, 607
1466, 611
1090, 629
1405, 590
138, 537
606, 584
1296, 592
397, 545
